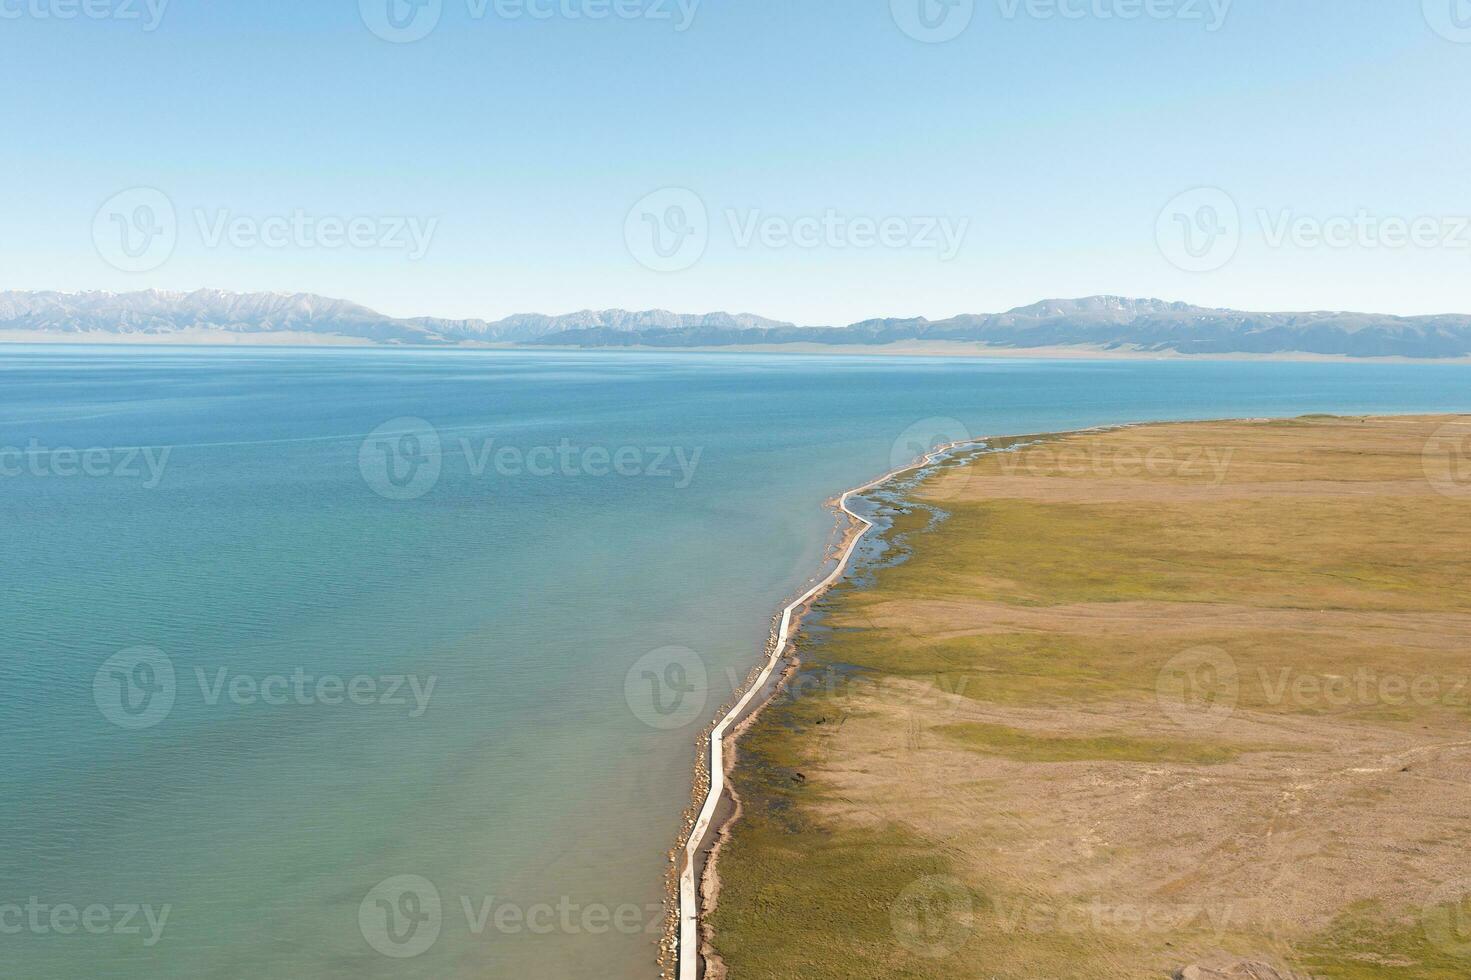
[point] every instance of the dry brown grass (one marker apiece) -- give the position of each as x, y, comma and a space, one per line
1212, 706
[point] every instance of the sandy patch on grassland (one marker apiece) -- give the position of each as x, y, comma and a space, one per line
1313, 816
948, 619
1295, 791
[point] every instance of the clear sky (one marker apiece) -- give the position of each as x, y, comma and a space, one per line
497, 164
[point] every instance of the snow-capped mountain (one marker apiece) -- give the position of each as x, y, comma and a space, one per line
160, 313
1104, 322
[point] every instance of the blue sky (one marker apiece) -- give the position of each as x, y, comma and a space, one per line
1053, 143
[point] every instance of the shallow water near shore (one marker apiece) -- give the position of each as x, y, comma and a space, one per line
585, 510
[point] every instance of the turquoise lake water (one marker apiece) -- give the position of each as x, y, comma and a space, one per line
385, 663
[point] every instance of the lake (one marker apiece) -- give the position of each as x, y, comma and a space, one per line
392, 663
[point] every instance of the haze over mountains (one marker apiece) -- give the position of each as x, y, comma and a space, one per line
164, 314
1105, 323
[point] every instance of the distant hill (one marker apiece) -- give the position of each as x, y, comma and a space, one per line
1109, 323
1106, 323
162, 314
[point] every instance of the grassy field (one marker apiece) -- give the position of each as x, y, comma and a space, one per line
1178, 698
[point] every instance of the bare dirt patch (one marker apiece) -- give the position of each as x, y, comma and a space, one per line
1170, 700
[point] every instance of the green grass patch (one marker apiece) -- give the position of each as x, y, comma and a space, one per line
810, 879
1364, 944
1295, 553
1013, 743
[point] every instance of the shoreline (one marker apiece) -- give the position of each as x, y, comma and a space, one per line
693, 881
295, 340
802, 882
967, 350
702, 839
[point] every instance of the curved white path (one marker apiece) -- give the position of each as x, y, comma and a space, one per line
689, 903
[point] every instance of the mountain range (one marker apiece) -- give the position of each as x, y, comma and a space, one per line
1104, 323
